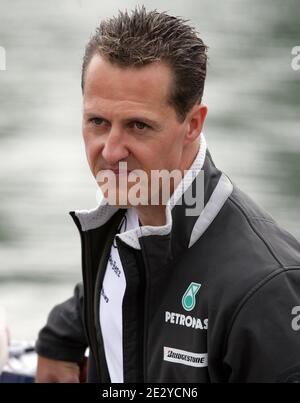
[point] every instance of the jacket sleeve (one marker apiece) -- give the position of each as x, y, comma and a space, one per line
63, 337
264, 339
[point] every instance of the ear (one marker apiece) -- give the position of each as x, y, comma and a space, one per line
195, 121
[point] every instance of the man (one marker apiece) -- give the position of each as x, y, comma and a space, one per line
170, 293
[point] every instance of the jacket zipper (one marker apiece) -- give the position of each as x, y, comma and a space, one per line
90, 317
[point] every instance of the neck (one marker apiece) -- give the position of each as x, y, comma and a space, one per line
155, 215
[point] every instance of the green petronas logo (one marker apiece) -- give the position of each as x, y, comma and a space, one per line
189, 297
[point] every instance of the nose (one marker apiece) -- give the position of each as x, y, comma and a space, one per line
114, 149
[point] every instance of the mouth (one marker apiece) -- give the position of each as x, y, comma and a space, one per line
118, 172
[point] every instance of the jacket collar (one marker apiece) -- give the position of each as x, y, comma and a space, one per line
184, 229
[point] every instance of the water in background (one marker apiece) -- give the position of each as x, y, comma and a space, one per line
252, 129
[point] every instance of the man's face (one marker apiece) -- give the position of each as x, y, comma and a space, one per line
126, 118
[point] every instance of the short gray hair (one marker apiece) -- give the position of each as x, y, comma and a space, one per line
143, 37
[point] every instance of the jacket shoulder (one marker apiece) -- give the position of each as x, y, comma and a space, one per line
282, 246
240, 251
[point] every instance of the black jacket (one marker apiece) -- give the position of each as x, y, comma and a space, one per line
241, 325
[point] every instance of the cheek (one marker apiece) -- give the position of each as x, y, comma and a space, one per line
174, 145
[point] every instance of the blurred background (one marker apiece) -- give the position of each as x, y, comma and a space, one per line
252, 129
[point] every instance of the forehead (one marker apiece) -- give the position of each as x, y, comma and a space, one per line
147, 86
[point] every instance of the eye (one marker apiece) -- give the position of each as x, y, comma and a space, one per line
140, 125
96, 121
